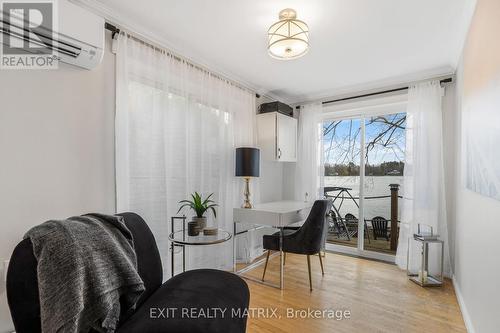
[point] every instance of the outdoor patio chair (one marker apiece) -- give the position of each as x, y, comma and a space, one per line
338, 227
352, 222
380, 227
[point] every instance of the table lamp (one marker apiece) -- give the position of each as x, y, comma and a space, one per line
247, 166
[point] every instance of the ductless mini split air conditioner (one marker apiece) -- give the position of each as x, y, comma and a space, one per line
76, 35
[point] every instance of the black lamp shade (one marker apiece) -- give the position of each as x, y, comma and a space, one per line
247, 162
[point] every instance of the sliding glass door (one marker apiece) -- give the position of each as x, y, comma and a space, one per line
342, 151
384, 164
363, 175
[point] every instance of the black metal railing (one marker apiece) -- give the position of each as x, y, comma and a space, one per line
348, 225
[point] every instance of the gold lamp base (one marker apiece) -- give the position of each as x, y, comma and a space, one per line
246, 193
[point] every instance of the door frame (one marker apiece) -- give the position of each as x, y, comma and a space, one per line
362, 110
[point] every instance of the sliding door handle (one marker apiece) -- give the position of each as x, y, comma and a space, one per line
279, 153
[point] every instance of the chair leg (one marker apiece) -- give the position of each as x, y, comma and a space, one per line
321, 263
309, 268
367, 233
284, 258
265, 266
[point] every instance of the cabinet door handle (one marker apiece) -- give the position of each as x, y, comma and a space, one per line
279, 153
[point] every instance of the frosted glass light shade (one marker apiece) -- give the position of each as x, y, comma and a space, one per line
288, 38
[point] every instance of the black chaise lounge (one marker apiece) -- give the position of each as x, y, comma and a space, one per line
199, 289
307, 240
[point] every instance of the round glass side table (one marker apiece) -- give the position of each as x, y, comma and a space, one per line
181, 239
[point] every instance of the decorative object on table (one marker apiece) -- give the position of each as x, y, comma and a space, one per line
247, 166
199, 206
288, 38
210, 231
193, 228
424, 277
425, 235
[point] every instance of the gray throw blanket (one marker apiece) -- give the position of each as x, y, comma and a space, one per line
87, 273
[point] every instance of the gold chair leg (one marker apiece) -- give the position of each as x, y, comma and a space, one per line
309, 268
284, 258
265, 266
321, 263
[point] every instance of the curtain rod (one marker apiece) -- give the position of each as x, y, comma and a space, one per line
447, 80
114, 30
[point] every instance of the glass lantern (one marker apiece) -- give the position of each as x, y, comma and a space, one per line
427, 275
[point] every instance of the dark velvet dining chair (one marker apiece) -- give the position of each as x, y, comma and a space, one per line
307, 240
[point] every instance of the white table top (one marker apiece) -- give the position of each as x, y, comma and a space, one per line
280, 207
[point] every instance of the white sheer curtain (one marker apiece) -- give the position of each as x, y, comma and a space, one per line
308, 169
423, 183
177, 127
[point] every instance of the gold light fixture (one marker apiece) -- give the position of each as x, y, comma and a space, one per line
288, 38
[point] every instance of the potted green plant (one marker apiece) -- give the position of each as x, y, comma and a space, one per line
200, 206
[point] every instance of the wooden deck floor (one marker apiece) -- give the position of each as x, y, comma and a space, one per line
379, 297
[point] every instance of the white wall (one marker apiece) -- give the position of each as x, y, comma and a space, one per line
56, 148
477, 218
289, 181
271, 181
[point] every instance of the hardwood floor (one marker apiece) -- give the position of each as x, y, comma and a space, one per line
379, 296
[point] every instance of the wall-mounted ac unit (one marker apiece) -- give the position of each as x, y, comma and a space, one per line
77, 37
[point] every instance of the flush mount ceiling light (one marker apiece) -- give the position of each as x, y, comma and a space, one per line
288, 38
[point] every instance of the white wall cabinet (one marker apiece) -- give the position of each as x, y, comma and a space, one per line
277, 137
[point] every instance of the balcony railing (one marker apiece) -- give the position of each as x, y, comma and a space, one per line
344, 229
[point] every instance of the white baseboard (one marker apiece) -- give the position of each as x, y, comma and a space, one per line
463, 307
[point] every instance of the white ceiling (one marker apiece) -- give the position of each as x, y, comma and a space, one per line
355, 44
